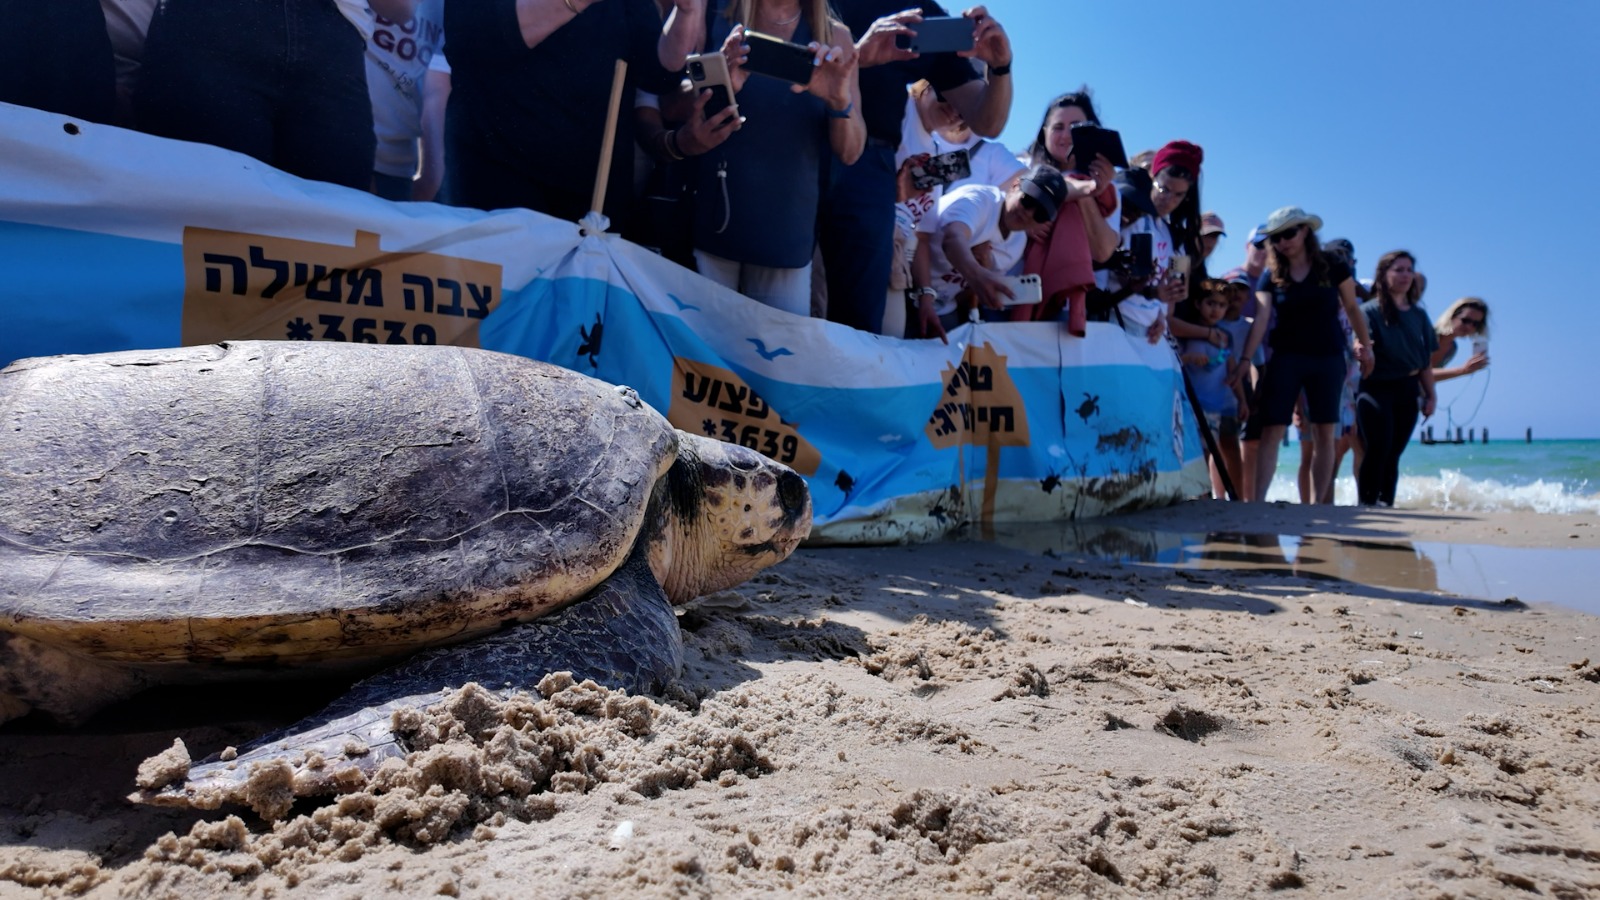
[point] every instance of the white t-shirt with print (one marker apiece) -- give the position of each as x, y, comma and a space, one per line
398, 57
979, 207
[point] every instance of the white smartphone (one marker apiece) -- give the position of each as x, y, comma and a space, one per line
1480, 346
1027, 288
1179, 267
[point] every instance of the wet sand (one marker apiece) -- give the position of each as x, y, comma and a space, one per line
1017, 719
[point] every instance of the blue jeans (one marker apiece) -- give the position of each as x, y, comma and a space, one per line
284, 81
856, 233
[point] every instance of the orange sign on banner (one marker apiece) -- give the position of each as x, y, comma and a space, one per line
980, 404
240, 286
713, 401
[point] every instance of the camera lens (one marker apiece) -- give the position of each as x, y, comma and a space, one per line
697, 70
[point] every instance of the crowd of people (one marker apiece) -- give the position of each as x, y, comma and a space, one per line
869, 189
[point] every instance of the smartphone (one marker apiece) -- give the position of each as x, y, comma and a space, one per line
1179, 268
1027, 288
939, 34
1090, 140
779, 59
710, 70
942, 169
1480, 346
1142, 246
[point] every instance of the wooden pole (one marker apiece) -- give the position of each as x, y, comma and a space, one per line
603, 176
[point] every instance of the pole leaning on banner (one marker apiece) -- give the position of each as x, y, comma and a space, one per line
603, 175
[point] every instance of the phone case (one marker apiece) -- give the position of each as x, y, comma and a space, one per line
1180, 266
939, 34
710, 70
779, 59
942, 169
1141, 245
1028, 289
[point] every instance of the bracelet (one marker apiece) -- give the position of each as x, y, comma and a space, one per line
842, 113
1000, 70
924, 291
669, 142
575, 10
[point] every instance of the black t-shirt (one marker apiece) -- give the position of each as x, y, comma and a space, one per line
1308, 313
538, 114
883, 88
1400, 348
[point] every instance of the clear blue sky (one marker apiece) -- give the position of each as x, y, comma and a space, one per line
1461, 131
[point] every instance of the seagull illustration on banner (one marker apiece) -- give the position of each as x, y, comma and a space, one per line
769, 355
682, 306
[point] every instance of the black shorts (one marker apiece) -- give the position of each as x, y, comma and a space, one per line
1287, 374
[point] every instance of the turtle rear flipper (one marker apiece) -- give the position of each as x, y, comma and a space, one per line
66, 686
623, 635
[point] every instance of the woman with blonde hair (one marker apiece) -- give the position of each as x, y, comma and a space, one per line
757, 193
1465, 318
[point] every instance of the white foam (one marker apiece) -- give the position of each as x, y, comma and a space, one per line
1451, 490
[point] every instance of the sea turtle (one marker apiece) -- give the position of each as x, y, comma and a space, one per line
225, 511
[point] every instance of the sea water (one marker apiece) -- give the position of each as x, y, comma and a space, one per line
1555, 476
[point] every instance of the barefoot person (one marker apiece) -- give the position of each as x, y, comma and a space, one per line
1400, 384
1306, 288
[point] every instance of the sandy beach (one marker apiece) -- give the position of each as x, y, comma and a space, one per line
959, 718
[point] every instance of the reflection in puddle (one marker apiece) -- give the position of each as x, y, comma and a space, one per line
1479, 571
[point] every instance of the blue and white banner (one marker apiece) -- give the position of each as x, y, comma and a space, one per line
114, 240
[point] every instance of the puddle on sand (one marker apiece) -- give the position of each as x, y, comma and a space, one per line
1479, 571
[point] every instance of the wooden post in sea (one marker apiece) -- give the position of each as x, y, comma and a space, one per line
1486, 434
1530, 435
1472, 435
1458, 434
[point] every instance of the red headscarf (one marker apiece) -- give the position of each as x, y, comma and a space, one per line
1178, 153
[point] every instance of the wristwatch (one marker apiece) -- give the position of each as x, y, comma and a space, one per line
916, 294
842, 113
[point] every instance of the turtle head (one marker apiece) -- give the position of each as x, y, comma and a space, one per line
727, 512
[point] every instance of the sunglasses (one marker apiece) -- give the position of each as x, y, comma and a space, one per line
1039, 213
1286, 234
1475, 323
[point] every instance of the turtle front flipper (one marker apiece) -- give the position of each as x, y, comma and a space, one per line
623, 635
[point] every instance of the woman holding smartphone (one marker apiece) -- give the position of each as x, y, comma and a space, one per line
1306, 289
1064, 254
1400, 384
1465, 319
757, 193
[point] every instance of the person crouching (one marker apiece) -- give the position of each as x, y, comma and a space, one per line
976, 238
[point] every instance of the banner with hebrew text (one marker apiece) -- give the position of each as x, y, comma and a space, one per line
114, 240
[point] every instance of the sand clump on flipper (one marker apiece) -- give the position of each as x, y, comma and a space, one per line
477, 763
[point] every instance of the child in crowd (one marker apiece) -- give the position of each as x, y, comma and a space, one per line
1205, 364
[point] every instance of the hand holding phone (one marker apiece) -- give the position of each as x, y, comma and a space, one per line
709, 71
939, 34
1142, 247
1178, 269
1026, 290
777, 58
1090, 140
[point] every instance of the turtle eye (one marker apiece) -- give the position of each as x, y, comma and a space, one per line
792, 492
